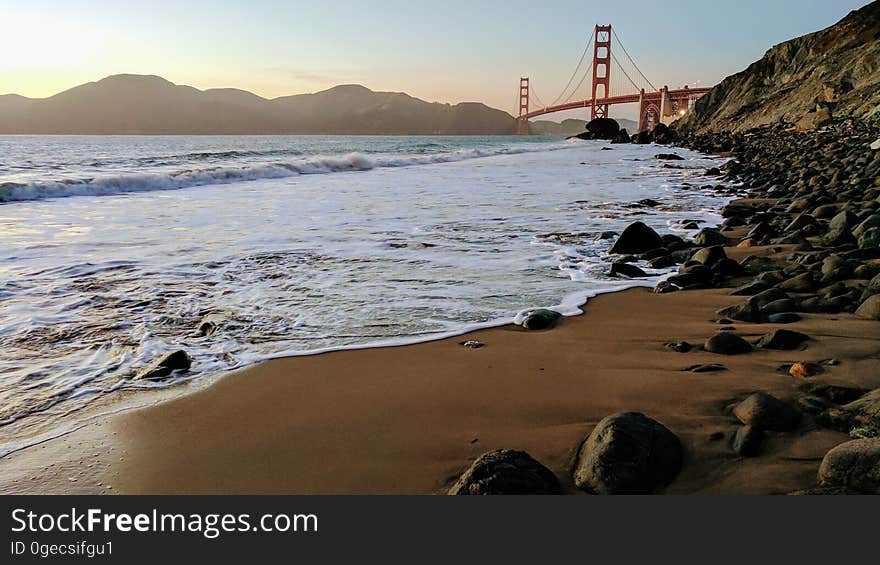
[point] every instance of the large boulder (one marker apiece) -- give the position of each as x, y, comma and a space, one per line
709, 237
622, 137
862, 412
854, 464
506, 472
636, 238
628, 453
603, 128
767, 412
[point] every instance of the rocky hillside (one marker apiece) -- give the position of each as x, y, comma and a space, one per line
805, 82
138, 104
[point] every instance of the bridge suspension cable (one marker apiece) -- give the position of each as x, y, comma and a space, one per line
574, 74
619, 42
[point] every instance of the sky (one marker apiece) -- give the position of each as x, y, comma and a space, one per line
450, 51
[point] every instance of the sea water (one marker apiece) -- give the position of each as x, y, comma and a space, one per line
114, 249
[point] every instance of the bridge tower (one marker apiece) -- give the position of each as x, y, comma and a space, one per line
601, 70
522, 123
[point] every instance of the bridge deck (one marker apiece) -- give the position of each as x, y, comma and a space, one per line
625, 99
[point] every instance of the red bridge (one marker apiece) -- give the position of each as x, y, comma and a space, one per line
656, 105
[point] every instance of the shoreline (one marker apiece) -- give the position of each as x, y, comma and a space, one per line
410, 419
311, 425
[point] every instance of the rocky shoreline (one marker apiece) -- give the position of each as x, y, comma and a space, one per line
814, 204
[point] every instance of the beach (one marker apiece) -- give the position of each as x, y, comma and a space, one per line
410, 419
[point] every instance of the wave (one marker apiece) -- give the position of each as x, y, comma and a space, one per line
186, 178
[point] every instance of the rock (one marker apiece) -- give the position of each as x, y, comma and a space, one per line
541, 319
805, 282
779, 307
603, 128
803, 220
668, 157
767, 412
873, 221
726, 343
854, 464
839, 229
835, 393
705, 368
784, 318
750, 289
620, 269
621, 137
709, 237
680, 346
636, 238
782, 340
709, 255
804, 370
870, 308
628, 453
166, 365
662, 134
506, 472
642, 138
747, 441
472, 344
865, 411
663, 262
814, 120
876, 145
869, 239
741, 312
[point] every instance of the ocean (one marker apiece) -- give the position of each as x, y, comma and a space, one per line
116, 248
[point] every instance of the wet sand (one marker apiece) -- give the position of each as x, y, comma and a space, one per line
410, 419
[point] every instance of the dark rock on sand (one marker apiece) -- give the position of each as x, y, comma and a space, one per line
680, 346
782, 340
709, 237
506, 472
750, 289
726, 343
709, 255
784, 318
747, 441
626, 270
865, 411
169, 363
836, 394
767, 412
636, 238
804, 282
541, 319
621, 137
668, 157
628, 453
854, 465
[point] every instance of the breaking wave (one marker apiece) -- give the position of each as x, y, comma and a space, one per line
185, 178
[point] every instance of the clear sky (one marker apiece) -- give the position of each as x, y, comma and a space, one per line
448, 51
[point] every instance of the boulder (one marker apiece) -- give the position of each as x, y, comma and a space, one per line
837, 394
636, 238
782, 340
747, 441
726, 343
767, 413
628, 453
784, 318
668, 157
870, 308
603, 128
869, 239
662, 134
621, 269
864, 411
166, 365
621, 137
709, 255
709, 237
542, 319
854, 464
804, 282
506, 472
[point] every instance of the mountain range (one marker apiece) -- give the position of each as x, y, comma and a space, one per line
147, 104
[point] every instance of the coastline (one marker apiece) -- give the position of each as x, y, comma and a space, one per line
410, 419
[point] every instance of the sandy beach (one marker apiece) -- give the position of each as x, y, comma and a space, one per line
409, 420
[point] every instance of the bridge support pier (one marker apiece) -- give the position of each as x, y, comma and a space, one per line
522, 120
601, 70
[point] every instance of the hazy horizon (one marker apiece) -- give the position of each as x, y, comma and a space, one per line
267, 49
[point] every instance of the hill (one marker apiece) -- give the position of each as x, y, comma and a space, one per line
833, 73
146, 104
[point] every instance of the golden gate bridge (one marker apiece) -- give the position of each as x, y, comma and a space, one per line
608, 88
